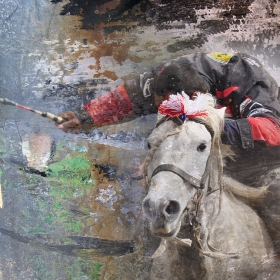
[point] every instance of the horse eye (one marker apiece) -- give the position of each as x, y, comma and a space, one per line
149, 146
201, 147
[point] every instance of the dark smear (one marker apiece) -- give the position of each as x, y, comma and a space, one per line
53, 149
78, 212
146, 12
31, 170
99, 246
74, 94
16, 236
150, 242
213, 26
89, 11
195, 41
104, 246
24, 168
238, 12
109, 172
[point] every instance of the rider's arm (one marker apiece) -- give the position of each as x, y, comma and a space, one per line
110, 107
258, 123
133, 98
245, 132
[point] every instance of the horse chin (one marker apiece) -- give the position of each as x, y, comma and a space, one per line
170, 233
165, 235
170, 230
172, 236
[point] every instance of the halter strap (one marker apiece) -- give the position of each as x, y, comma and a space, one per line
181, 173
166, 118
178, 121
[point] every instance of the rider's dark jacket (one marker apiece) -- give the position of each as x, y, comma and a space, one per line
238, 81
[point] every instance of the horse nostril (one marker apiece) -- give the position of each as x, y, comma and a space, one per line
172, 208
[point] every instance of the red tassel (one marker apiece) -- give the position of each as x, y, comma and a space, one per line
180, 104
172, 110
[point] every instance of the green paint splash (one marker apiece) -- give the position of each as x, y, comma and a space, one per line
83, 268
64, 268
70, 177
66, 179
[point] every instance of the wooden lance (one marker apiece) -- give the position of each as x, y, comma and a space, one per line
50, 116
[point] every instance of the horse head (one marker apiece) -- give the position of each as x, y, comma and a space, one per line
178, 166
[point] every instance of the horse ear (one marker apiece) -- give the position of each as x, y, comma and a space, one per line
221, 112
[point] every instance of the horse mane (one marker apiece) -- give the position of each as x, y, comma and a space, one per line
247, 194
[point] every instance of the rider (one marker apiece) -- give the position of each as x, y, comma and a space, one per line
241, 84
238, 81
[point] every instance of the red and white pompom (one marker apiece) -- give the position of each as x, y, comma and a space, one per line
181, 104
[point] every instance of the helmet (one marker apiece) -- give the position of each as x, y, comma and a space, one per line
177, 76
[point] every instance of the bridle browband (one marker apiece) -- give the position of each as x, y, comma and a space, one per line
178, 121
181, 173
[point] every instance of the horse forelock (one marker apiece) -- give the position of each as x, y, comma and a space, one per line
214, 119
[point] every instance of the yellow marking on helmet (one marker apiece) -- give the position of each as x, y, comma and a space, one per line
220, 57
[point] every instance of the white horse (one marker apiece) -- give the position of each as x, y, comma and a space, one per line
186, 205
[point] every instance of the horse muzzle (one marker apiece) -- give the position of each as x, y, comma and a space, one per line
164, 216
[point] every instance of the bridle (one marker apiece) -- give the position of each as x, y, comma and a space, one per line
192, 212
181, 173
193, 203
